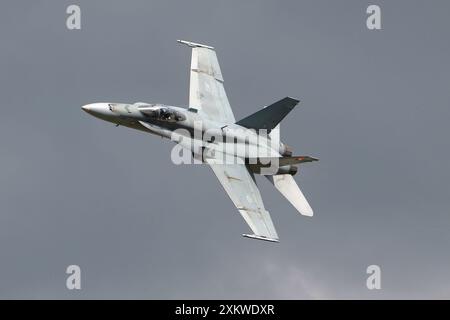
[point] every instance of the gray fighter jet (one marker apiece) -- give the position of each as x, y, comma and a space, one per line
235, 150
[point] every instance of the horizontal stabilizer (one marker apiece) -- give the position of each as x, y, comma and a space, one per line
269, 117
287, 186
282, 161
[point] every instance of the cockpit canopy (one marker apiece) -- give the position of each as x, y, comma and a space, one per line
162, 113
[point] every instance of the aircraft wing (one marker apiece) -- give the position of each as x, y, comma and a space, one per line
206, 92
240, 185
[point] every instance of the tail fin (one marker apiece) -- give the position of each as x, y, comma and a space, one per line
275, 134
269, 117
286, 184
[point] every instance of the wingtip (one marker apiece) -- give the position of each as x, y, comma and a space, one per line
194, 44
254, 236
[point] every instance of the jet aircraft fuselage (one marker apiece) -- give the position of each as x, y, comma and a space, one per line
192, 129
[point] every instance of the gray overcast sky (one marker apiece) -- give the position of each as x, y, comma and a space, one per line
75, 190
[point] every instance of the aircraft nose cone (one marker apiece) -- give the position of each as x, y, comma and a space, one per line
97, 109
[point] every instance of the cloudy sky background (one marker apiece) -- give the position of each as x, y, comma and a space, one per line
75, 190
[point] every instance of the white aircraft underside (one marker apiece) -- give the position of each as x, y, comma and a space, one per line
209, 104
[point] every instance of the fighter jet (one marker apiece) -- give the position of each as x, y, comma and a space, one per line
234, 150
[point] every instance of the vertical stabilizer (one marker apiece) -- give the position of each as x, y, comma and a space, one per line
270, 116
275, 134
